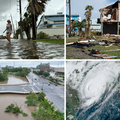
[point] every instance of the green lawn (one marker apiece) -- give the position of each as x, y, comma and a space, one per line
12, 73
71, 40
69, 47
114, 53
52, 41
100, 47
70, 57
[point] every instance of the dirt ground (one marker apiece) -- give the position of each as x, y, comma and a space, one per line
79, 54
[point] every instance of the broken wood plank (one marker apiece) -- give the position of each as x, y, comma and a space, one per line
110, 57
100, 55
111, 50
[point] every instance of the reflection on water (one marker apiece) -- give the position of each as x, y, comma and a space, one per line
28, 49
6, 100
12, 79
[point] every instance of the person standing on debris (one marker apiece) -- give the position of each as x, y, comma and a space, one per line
9, 30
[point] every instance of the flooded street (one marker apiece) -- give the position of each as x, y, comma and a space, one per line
8, 99
12, 79
27, 49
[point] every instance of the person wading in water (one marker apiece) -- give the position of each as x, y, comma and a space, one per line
9, 30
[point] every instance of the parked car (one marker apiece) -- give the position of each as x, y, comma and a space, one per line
48, 84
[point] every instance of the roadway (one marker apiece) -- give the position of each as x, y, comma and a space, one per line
54, 93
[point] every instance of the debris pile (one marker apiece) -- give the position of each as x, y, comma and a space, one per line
83, 44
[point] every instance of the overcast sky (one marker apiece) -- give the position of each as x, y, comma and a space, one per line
78, 7
31, 63
8, 7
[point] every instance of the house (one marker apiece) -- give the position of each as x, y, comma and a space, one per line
110, 18
95, 26
51, 24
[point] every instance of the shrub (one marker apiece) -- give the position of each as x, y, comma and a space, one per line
9, 108
3, 76
32, 99
96, 33
15, 110
47, 111
41, 96
41, 72
42, 35
46, 74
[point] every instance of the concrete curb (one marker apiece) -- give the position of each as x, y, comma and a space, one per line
15, 92
29, 80
14, 84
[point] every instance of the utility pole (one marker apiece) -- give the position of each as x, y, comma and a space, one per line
70, 17
34, 21
13, 27
21, 35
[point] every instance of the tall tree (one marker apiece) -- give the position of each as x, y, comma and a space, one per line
26, 24
36, 8
88, 15
79, 25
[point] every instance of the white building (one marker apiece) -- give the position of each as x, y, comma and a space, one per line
51, 24
95, 26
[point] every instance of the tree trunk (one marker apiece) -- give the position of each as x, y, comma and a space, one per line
89, 27
28, 34
80, 30
34, 29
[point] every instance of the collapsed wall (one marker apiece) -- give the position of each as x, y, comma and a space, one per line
110, 18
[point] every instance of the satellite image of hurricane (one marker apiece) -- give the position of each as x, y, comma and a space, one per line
93, 90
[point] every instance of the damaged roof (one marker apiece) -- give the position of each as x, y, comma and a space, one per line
115, 5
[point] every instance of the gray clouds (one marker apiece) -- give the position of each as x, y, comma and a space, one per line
8, 7
31, 63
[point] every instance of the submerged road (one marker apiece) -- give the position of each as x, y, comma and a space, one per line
27, 49
54, 93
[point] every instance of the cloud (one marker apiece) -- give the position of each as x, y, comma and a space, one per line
31, 63
78, 7
8, 7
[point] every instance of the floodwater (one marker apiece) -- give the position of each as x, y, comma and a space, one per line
27, 49
8, 99
12, 79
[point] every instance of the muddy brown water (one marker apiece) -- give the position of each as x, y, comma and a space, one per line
7, 99
12, 79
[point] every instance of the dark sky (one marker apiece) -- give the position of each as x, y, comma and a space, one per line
8, 7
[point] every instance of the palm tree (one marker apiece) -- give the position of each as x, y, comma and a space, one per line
36, 8
88, 15
26, 24
79, 25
